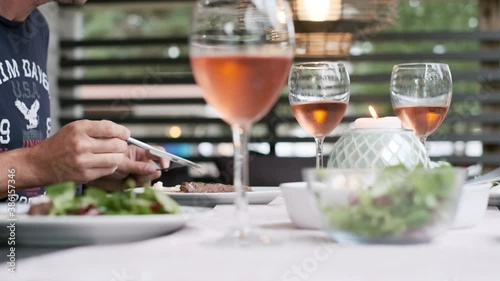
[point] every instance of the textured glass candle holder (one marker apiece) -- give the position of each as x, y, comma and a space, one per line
378, 148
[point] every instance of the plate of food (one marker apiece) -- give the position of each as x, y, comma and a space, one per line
212, 194
63, 219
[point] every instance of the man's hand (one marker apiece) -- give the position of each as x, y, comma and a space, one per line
137, 164
81, 151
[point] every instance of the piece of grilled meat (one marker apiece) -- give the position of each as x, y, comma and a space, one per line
200, 187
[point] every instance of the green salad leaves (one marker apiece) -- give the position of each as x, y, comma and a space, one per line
97, 202
400, 201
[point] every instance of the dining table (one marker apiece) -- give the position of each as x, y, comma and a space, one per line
295, 254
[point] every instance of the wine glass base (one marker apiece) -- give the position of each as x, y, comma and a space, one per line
240, 239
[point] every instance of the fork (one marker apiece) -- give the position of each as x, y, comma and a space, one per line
163, 154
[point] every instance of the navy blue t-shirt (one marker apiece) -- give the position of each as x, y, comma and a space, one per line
24, 86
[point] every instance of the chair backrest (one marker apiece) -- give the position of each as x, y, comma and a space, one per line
267, 170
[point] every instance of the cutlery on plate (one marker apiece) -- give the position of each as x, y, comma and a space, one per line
164, 154
488, 177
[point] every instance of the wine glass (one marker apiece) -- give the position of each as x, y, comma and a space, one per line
241, 52
319, 94
421, 95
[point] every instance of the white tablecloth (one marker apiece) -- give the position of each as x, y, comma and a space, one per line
469, 254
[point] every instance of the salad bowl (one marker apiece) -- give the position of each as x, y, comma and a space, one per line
394, 205
300, 205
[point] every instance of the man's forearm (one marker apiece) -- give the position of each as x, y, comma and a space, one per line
25, 163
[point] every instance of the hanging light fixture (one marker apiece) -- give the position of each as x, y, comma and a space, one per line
327, 27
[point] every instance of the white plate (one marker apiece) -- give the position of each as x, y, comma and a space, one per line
85, 230
258, 195
494, 199
472, 205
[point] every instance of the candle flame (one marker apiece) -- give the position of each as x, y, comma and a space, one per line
373, 112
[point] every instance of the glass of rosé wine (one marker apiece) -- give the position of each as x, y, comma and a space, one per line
319, 94
421, 95
241, 52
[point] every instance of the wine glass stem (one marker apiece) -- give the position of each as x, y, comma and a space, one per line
240, 141
319, 152
423, 141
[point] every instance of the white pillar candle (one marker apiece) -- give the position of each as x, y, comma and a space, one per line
391, 122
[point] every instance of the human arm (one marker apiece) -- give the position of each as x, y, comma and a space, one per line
81, 151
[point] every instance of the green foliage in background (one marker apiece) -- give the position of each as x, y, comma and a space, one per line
153, 20
418, 16
174, 20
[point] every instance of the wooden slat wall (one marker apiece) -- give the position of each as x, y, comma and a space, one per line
472, 120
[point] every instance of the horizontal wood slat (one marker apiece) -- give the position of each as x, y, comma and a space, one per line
483, 98
382, 36
491, 159
161, 79
485, 138
467, 56
126, 118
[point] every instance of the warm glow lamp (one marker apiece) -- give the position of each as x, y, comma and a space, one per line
326, 28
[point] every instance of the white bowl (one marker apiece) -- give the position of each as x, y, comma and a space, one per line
472, 205
300, 205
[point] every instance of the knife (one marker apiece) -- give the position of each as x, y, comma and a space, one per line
488, 177
164, 154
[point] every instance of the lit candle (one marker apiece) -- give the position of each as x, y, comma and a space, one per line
391, 122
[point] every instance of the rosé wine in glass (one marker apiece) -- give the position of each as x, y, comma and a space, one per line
421, 95
319, 94
241, 52
319, 118
234, 85
423, 120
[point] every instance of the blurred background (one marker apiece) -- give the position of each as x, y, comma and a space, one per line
127, 61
